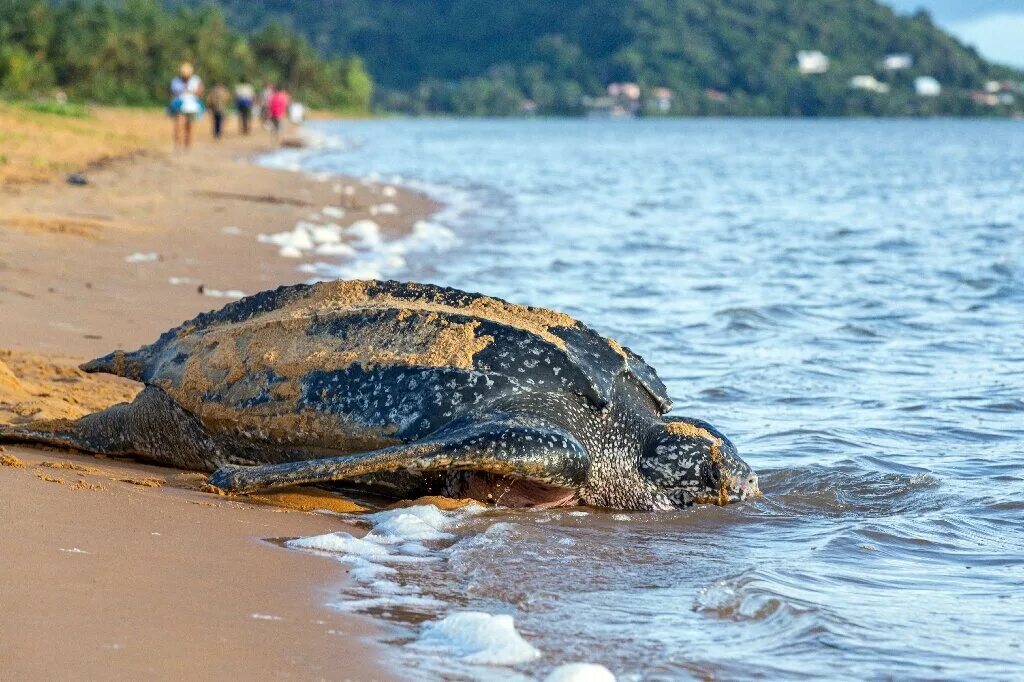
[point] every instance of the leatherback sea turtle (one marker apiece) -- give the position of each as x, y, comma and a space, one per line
407, 389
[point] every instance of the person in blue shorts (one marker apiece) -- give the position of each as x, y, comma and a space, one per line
186, 104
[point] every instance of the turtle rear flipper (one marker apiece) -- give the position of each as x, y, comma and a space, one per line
539, 453
152, 426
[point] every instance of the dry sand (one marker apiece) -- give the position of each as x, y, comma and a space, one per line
114, 569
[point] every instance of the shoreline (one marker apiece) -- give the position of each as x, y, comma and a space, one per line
107, 546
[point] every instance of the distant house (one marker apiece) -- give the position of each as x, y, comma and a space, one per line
988, 99
926, 86
811, 62
898, 61
869, 83
624, 99
1002, 86
626, 91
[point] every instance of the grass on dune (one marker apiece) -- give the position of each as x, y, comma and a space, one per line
41, 140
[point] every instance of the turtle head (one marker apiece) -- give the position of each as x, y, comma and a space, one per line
688, 460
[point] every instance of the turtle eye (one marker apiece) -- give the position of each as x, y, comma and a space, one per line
712, 475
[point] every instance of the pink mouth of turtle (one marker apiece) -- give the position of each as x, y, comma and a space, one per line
511, 492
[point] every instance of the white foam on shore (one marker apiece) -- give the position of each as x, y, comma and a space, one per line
386, 208
477, 638
147, 257
415, 535
393, 566
338, 249
206, 291
396, 537
228, 293
325, 234
361, 249
580, 672
365, 234
372, 256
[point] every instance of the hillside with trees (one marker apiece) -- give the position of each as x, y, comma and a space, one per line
127, 52
724, 57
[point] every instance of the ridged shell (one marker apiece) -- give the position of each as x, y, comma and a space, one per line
357, 364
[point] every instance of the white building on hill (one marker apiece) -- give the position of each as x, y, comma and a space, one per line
811, 61
869, 83
898, 61
926, 86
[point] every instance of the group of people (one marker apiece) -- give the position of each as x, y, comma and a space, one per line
271, 106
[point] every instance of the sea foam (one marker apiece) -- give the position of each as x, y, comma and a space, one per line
478, 638
391, 569
580, 672
361, 249
396, 537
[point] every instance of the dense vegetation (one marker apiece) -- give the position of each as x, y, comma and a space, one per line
486, 56
127, 52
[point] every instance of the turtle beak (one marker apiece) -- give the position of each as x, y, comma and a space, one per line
745, 488
741, 481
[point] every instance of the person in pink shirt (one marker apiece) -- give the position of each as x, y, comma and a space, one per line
278, 109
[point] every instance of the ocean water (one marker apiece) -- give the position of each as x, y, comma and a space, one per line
845, 299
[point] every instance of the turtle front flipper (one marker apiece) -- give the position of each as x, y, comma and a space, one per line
537, 453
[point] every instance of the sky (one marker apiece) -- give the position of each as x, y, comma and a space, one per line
995, 27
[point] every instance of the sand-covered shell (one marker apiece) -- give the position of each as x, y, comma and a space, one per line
356, 365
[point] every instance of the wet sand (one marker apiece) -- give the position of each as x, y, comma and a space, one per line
116, 569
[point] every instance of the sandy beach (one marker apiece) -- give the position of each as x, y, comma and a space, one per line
116, 569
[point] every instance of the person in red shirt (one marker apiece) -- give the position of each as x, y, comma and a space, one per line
278, 109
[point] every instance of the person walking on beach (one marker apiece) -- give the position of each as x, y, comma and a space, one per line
278, 106
245, 99
265, 94
297, 113
218, 100
186, 105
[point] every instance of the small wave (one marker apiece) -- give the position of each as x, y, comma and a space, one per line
723, 600
847, 489
748, 319
858, 331
778, 611
812, 441
723, 394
